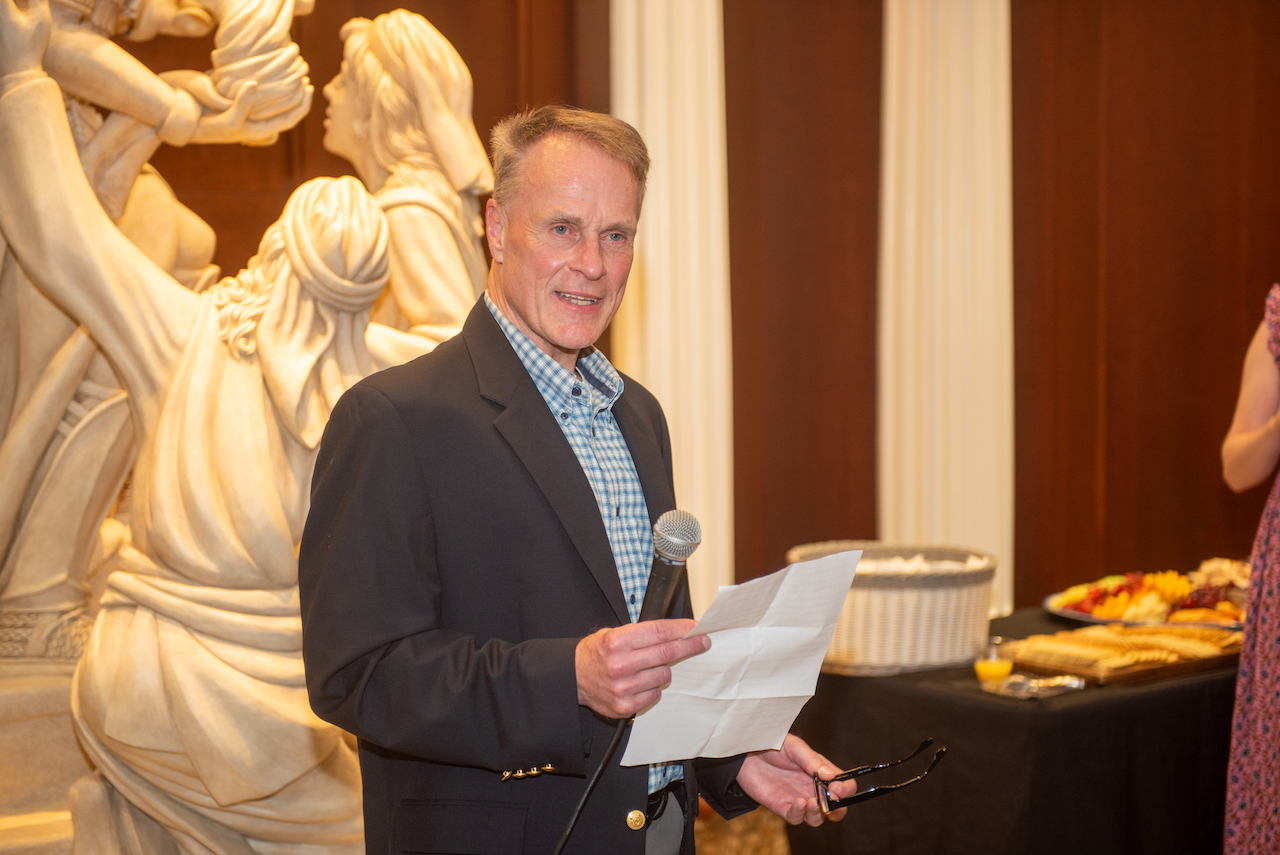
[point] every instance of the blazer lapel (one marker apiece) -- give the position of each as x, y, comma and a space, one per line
528, 426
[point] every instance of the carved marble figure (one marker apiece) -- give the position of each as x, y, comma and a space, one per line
400, 112
66, 440
189, 698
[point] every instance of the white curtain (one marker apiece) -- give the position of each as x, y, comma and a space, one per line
672, 333
945, 410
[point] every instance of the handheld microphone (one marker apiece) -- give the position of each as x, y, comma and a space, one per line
676, 535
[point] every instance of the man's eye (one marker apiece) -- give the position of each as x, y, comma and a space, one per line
617, 237
560, 230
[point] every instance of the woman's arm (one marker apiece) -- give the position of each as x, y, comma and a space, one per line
1252, 446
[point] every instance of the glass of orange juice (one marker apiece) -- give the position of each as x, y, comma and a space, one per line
990, 666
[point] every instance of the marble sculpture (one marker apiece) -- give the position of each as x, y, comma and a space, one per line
125, 360
67, 441
400, 112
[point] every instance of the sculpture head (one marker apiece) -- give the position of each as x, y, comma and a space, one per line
329, 247
405, 94
302, 305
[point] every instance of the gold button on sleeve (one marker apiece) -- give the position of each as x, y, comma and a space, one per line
635, 820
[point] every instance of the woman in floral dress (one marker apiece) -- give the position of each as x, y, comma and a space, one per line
1249, 456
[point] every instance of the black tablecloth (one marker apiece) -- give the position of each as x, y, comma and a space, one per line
1114, 769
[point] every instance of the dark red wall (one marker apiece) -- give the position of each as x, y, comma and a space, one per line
1146, 216
1146, 210
803, 113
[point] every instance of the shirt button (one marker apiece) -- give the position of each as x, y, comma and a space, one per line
564, 416
577, 390
635, 820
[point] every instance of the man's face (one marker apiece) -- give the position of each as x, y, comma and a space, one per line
562, 246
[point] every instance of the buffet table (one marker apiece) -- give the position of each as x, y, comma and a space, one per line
1114, 769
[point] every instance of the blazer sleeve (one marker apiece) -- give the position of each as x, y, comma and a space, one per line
718, 784
379, 663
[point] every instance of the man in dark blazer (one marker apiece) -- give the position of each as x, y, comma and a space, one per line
463, 612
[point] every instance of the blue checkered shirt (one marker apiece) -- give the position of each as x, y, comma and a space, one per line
584, 410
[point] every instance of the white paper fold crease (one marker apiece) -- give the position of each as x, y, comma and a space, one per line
768, 637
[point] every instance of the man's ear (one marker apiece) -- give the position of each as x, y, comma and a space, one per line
493, 229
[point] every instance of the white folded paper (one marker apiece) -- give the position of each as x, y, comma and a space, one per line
768, 637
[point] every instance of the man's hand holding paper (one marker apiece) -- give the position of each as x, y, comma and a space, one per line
768, 638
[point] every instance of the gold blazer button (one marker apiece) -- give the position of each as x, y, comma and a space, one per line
635, 820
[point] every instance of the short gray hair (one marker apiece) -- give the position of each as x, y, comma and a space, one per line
512, 138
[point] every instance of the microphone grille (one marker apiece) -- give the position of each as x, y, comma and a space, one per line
676, 535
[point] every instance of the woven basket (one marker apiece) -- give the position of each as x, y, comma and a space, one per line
896, 621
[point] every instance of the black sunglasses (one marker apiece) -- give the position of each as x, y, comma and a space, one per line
829, 803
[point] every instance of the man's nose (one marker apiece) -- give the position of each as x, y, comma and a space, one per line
588, 260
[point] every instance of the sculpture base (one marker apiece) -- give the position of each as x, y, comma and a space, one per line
41, 757
38, 833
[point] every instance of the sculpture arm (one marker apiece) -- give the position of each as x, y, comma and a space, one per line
182, 106
138, 315
380, 661
95, 69
429, 279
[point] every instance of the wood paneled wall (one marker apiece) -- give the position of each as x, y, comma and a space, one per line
520, 52
1146, 234
803, 119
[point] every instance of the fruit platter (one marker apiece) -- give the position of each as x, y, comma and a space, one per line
1214, 593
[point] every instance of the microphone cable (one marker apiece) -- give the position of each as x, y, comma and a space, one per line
676, 535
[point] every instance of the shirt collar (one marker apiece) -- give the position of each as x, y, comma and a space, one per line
552, 378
